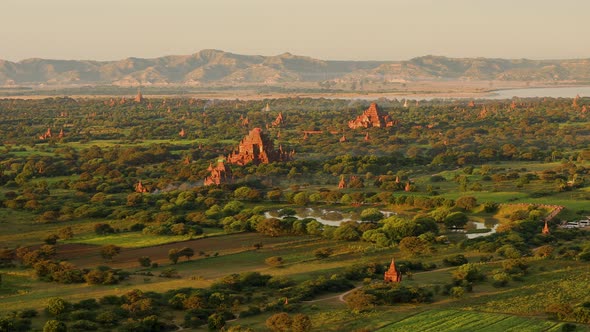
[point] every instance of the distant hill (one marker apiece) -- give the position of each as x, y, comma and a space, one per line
218, 68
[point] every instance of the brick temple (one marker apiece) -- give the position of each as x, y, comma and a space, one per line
392, 275
218, 174
371, 117
257, 148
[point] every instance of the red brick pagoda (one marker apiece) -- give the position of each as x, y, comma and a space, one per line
371, 117
257, 148
219, 174
392, 275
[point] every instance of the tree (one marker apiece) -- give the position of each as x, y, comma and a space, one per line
57, 306
53, 325
413, 246
301, 199
301, 323
280, 322
103, 229
466, 202
456, 260
274, 261
215, 321
186, 252
347, 231
65, 233
173, 255
110, 251
468, 272
456, 220
144, 261
371, 214
359, 301
51, 239
271, 227
323, 253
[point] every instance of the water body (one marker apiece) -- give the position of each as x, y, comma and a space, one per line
323, 216
557, 92
480, 225
335, 218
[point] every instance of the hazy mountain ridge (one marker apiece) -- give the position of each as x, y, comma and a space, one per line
213, 67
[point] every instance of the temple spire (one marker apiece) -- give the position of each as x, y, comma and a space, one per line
546, 229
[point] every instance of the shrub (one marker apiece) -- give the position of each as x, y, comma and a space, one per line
274, 261
323, 252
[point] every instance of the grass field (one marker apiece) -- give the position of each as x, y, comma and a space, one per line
467, 321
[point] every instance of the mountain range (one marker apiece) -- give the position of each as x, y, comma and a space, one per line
219, 68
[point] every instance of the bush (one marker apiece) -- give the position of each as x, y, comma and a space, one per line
84, 325
274, 261
54, 326
103, 229
57, 306
455, 260
144, 261
323, 253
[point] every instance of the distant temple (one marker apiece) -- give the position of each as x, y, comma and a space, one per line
392, 275
371, 117
279, 120
257, 148
218, 174
342, 183
408, 186
545, 229
575, 102
513, 105
140, 188
61, 134
47, 134
139, 97
182, 133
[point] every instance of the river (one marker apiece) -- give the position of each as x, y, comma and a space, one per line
553, 92
556, 92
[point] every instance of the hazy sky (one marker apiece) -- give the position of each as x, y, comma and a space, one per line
326, 29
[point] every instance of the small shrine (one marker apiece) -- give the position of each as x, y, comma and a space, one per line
392, 275
138, 97
46, 135
545, 230
140, 188
342, 183
279, 120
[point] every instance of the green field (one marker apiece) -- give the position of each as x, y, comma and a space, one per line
466, 321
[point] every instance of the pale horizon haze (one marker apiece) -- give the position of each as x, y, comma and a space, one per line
324, 29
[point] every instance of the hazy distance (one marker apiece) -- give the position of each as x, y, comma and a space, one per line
326, 29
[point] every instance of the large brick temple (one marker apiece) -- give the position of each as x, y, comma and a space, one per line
371, 117
257, 148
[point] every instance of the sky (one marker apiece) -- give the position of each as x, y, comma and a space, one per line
324, 29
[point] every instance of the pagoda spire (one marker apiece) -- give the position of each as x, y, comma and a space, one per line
545, 229
392, 275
